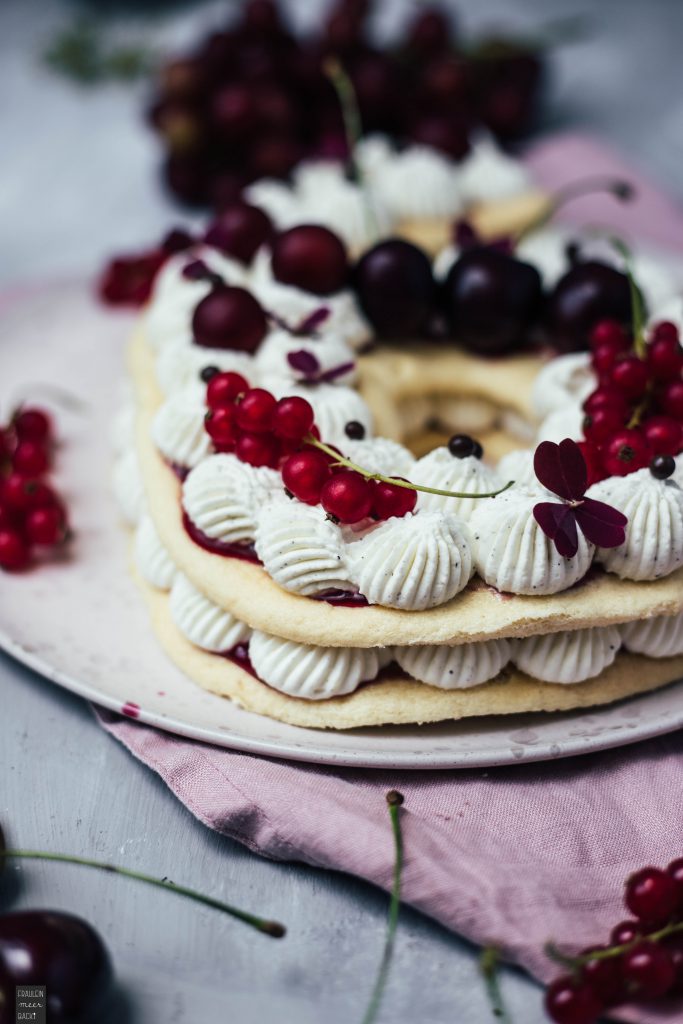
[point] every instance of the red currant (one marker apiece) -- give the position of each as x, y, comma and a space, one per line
40, 495
625, 452
220, 426
45, 526
347, 496
664, 435
675, 869
606, 397
32, 425
652, 896
630, 375
665, 329
625, 932
16, 491
609, 332
304, 474
293, 417
673, 944
665, 358
255, 411
14, 552
570, 1002
671, 399
30, 458
598, 425
390, 500
224, 388
604, 358
592, 458
648, 970
604, 977
257, 450
10, 518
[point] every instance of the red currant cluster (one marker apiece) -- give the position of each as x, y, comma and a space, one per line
643, 960
282, 435
636, 412
31, 513
128, 280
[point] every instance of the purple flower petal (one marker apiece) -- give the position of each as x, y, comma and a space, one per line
311, 322
337, 371
304, 362
561, 468
558, 522
601, 524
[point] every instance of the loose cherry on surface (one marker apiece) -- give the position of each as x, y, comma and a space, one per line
240, 230
589, 292
310, 257
229, 318
395, 287
61, 952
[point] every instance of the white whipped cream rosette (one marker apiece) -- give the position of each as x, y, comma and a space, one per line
313, 673
654, 535
129, 489
513, 554
180, 363
301, 549
419, 183
277, 199
658, 637
563, 381
443, 471
564, 422
568, 657
416, 562
380, 455
354, 212
294, 359
151, 557
222, 497
487, 173
178, 428
202, 622
457, 667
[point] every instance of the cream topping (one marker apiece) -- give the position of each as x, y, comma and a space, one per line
416, 562
178, 429
151, 557
564, 422
654, 533
568, 657
348, 208
277, 199
513, 554
129, 489
380, 455
202, 622
283, 355
301, 549
419, 183
122, 431
659, 637
563, 381
333, 405
313, 673
179, 364
487, 173
454, 668
222, 497
443, 471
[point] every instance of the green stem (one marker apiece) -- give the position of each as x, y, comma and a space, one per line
394, 800
341, 460
272, 928
637, 306
620, 189
488, 965
576, 962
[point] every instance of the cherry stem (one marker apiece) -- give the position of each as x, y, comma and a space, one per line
488, 965
577, 962
637, 306
272, 928
341, 460
394, 801
616, 187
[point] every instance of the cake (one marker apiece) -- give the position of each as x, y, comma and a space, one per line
329, 593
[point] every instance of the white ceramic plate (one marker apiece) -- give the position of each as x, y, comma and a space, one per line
82, 623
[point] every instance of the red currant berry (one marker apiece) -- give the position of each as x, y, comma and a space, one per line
10, 518
593, 459
673, 944
665, 358
604, 977
224, 388
571, 1002
220, 426
389, 500
648, 970
630, 375
310, 257
32, 425
609, 332
652, 896
305, 473
675, 869
664, 435
665, 329
16, 491
625, 932
347, 496
255, 411
14, 552
229, 318
598, 425
258, 450
39, 495
625, 452
604, 358
30, 458
293, 417
606, 397
671, 399
45, 526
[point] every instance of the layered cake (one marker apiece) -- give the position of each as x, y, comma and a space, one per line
369, 487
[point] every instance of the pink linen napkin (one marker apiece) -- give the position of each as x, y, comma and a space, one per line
512, 856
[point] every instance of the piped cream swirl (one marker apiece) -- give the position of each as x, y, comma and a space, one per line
313, 673
568, 657
457, 667
202, 622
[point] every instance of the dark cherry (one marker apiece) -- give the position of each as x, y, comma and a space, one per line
229, 318
587, 293
239, 231
429, 32
448, 133
62, 952
492, 299
461, 446
395, 287
663, 466
354, 430
310, 257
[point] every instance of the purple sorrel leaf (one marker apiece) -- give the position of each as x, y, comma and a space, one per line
312, 322
561, 468
601, 524
304, 362
337, 371
558, 522
196, 270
